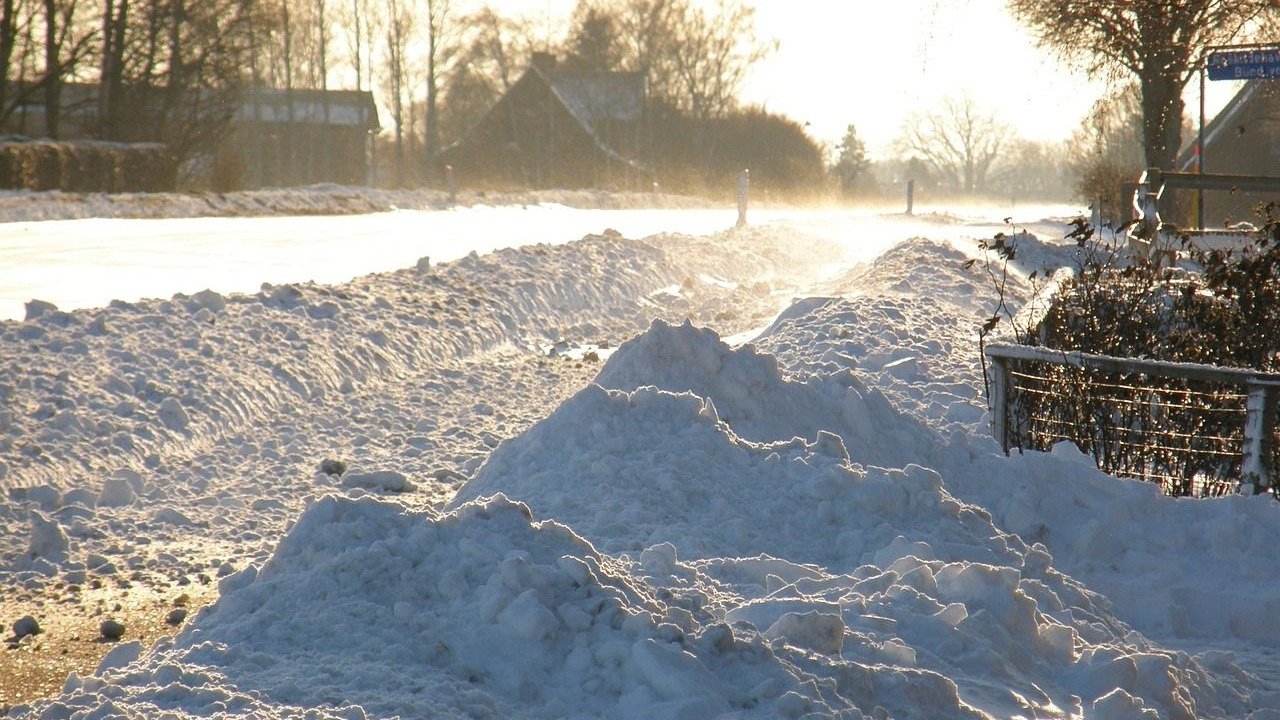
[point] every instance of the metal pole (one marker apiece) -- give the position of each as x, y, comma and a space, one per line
1200, 147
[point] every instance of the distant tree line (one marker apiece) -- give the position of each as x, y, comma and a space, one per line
166, 69
956, 149
169, 71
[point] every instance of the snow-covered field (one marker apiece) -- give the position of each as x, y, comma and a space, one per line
551, 481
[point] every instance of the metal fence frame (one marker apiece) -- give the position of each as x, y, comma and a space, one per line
1154, 241
1262, 389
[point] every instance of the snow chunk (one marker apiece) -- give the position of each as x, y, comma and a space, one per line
38, 308
209, 300
388, 480
119, 657
173, 415
751, 395
817, 631
677, 675
116, 492
529, 617
48, 542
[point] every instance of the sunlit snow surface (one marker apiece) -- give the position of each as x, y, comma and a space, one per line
88, 263
814, 525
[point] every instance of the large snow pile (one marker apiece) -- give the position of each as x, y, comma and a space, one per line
812, 525
648, 469
367, 609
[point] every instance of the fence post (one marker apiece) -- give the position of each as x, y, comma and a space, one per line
911, 196
1259, 430
744, 185
999, 404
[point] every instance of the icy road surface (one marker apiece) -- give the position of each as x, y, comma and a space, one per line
88, 263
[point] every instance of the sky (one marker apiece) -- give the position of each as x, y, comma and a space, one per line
872, 63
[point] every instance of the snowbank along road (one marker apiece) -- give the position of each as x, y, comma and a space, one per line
539, 483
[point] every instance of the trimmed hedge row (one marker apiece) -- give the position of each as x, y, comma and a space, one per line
85, 166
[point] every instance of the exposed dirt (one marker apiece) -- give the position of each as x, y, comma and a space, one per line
71, 617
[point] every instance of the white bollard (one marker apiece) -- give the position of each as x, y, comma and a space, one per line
744, 186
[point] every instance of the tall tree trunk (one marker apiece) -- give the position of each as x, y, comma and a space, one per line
175, 79
114, 19
437, 17
52, 70
1162, 108
431, 131
358, 38
8, 38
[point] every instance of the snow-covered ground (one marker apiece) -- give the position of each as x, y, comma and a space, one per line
520, 484
87, 263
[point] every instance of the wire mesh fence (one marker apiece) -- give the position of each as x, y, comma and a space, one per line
1192, 429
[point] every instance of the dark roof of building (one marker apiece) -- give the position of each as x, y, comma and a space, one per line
328, 107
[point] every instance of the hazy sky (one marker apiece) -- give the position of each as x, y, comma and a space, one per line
873, 62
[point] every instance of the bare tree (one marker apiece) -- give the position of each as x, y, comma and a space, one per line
1031, 170
492, 52
442, 39
959, 139
358, 21
41, 42
694, 56
320, 22
67, 42
1160, 42
646, 36
1107, 150
400, 29
172, 70
712, 52
111, 103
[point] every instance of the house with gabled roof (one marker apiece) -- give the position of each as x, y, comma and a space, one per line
1242, 139
561, 128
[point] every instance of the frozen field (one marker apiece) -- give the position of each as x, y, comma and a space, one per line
537, 482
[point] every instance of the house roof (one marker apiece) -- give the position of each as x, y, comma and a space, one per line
594, 96
589, 96
262, 104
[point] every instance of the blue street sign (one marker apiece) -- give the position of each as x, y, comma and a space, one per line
1250, 64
